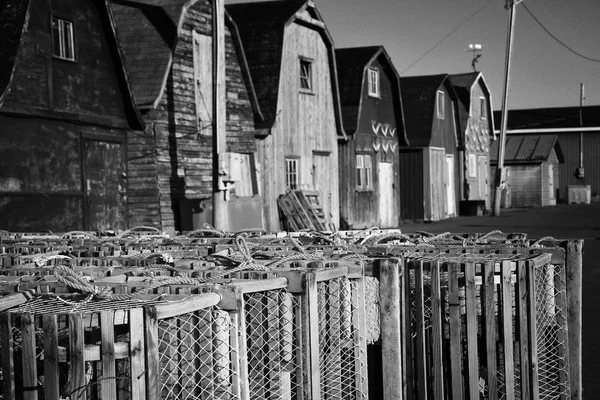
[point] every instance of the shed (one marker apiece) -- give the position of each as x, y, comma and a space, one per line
291, 60
428, 168
578, 131
66, 112
474, 137
532, 164
374, 123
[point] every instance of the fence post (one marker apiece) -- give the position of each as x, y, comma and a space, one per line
573, 271
390, 328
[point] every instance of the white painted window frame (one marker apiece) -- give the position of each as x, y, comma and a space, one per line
63, 34
373, 82
472, 165
483, 108
292, 173
364, 172
305, 74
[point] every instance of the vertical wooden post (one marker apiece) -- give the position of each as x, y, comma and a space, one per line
523, 317
563, 329
437, 334
420, 348
153, 373
7, 359
389, 290
490, 329
50, 329
533, 335
507, 322
573, 265
109, 374
137, 345
472, 351
360, 338
28, 354
455, 335
311, 326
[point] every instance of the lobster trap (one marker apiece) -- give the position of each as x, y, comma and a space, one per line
485, 327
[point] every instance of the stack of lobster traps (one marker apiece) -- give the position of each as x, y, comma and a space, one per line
309, 315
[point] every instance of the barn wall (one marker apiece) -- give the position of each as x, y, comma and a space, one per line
569, 143
525, 184
305, 123
411, 177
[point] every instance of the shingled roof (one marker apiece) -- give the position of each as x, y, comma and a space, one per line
527, 149
550, 118
352, 64
261, 28
418, 100
13, 15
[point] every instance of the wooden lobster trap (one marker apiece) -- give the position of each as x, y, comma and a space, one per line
180, 347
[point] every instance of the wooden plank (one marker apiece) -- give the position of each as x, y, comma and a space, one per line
437, 332
562, 332
15, 299
28, 354
490, 330
311, 326
279, 379
360, 338
235, 356
109, 375
574, 276
409, 370
333, 378
76, 357
523, 320
420, 351
533, 336
404, 325
153, 376
7, 359
50, 329
222, 356
243, 354
137, 345
471, 309
507, 322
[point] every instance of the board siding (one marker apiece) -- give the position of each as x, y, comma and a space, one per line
411, 177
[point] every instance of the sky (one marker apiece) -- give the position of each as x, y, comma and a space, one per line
543, 73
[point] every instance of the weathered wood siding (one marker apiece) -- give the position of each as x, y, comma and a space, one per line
54, 108
412, 180
477, 142
377, 135
525, 183
305, 123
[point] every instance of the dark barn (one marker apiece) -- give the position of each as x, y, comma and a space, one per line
374, 124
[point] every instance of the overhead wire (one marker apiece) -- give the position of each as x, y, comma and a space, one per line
556, 38
447, 36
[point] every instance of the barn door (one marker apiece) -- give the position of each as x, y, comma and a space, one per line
438, 178
450, 186
322, 177
483, 173
552, 192
385, 173
104, 185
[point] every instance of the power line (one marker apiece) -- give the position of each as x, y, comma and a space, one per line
557, 39
447, 36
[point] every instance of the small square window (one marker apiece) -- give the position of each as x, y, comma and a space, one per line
291, 173
364, 172
373, 82
62, 39
472, 165
482, 108
440, 105
306, 75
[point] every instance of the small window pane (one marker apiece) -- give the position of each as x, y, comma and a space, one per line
291, 173
440, 105
62, 38
364, 176
305, 75
482, 108
373, 82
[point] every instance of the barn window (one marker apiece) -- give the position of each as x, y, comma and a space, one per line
440, 105
306, 75
373, 82
482, 108
472, 165
62, 39
291, 173
364, 172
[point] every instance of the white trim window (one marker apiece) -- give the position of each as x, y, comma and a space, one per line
482, 108
441, 112
472, 165
63, 41
364, 172
306, 83
292, 173
373, 79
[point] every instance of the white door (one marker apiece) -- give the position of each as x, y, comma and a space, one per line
385, 172
450, 198
484, 173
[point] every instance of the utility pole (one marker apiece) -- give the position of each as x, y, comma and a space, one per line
580, 172
220, 190
500, 172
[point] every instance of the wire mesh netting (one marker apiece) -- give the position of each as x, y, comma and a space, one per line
196, 357
273, 343
341, 363
551, 313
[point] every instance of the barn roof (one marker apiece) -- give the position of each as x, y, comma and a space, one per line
352, 63
550, 118
261, 27
418, 100
527, 149
14, 15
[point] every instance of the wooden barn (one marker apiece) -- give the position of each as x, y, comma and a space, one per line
474, 137
578, 132
66, 111
429, 166
291, 59
177, 56
532, 170
374, 123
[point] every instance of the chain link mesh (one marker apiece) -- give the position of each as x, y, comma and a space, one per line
195, 356
340, 359
273, 337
